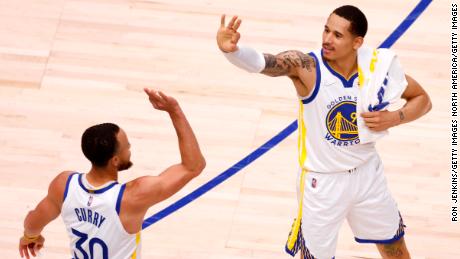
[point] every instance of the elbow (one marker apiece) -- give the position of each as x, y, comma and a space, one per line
198, 167
201, 165
428, 105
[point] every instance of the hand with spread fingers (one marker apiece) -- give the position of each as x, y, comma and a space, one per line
228, 36
30, 245
161, 102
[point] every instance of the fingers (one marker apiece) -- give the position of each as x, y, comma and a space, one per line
162, 95
371, 125
369, 114
232, 22
151, 93
237, 25
37, 248
156, 98
236, 38
222, 21
31, 247
371, 120
25, 251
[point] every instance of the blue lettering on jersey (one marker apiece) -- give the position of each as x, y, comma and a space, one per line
341, 122
89, 216
342, 99
380, 94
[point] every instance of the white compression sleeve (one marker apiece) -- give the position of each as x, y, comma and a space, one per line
247, 58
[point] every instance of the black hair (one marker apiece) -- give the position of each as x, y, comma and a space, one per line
357, 19
99, 143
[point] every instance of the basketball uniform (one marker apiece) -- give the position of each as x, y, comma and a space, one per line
92, 221
344, 179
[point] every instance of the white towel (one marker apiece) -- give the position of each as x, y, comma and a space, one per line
382, 82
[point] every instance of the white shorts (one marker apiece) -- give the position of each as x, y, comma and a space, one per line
361, 196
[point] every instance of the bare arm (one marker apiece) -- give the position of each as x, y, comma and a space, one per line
298, 66
149, 190
46, 211
418, 104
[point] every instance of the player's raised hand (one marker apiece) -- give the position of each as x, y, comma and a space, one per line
160, 101
228, 35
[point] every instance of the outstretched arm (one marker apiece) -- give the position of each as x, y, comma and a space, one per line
298, 66
46, 211
418, 104
149, 190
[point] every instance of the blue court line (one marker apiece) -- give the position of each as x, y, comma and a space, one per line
394, 36
402, 28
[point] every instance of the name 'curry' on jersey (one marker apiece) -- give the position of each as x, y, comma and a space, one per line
329, 115
92, 221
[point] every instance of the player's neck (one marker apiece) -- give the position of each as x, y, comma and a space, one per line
99, 176
346, 67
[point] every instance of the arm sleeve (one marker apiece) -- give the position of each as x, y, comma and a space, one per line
247, 59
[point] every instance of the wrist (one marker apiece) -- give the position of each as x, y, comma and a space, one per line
31, 237
228, 51
175, 111
400, 117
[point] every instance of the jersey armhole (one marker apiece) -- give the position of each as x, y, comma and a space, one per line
69, 178
311, 97
120, 195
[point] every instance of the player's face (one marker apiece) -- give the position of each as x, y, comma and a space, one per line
338, 41
123, 152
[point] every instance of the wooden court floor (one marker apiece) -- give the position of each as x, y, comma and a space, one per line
68, 64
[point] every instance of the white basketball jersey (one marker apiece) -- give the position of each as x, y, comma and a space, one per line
329, 115
92, 222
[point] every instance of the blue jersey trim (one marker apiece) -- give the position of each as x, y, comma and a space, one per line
388, 241
120, 195
317, 83
94, 191
346, 83
66, 190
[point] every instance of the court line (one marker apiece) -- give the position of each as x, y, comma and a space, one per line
389, 41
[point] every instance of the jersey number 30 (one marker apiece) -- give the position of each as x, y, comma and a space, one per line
92, 242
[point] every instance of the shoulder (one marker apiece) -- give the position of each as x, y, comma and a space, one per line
139, 192
61, 179
142, 186
58, 185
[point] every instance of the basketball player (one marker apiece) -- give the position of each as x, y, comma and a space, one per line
345, 178
103, 217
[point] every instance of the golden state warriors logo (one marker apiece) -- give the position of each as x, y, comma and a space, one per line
341, 123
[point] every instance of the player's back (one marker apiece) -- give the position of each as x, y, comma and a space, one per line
92, 221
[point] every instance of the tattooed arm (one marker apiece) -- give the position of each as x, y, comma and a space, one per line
287, 63
299, 67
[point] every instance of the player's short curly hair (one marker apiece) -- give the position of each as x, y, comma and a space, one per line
99, 143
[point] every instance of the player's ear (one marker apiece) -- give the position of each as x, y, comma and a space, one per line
357, 42
115, 161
